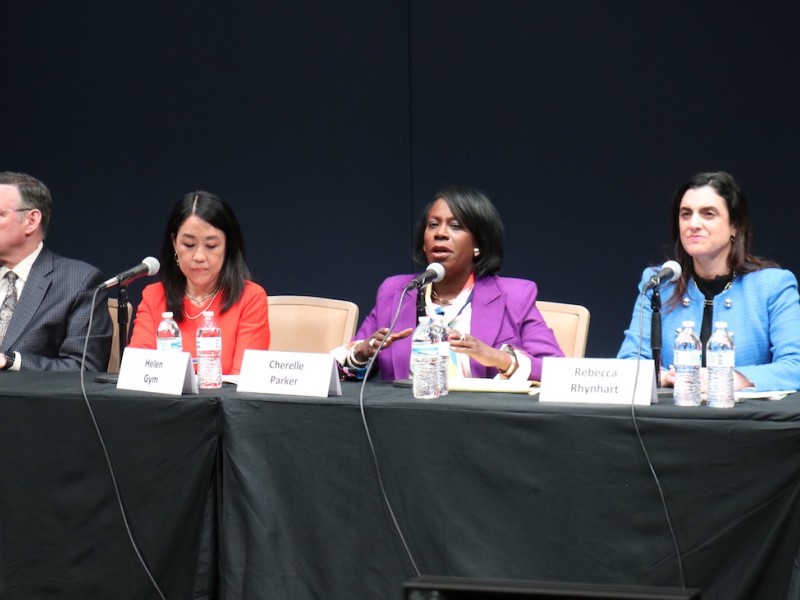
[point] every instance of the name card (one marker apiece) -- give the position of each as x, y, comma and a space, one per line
289, 373
597, 381
159, 372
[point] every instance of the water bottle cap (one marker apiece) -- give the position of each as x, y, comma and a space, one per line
688, 324
208, 313
166, 314
720, 324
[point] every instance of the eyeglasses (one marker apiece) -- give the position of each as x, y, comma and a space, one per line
3, 213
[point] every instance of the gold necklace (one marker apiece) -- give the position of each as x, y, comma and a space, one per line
192, 318
201, 299
438, 299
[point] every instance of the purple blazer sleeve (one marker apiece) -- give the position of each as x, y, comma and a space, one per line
503, 312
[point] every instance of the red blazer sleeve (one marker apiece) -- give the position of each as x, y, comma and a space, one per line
252, 327
148, 316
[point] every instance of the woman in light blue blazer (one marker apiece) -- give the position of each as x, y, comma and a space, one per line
722, 281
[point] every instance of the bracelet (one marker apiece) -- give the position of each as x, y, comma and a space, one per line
514, 362
351, 358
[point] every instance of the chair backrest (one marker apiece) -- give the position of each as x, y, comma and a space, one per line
570, 324
310, 324
113, 309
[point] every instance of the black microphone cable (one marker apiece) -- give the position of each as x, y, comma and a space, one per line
644, 448
369, 436
108, 458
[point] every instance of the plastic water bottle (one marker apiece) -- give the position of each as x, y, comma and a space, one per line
444, 356
425, 360
168, 334
721, 361
209, 353
688, 357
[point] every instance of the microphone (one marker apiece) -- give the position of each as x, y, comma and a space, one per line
435, 272
670, 271
148, 266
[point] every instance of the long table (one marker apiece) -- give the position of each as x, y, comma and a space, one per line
245, 496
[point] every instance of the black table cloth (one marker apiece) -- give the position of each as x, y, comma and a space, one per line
61, 534
245, 496
500, 486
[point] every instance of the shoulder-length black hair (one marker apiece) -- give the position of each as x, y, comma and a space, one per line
216, 212
740, 259
479, 216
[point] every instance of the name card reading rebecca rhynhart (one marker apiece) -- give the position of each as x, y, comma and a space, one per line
597, 381
289, 374
156, 371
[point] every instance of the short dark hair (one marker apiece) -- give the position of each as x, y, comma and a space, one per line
216, 212
34, 194
478, 215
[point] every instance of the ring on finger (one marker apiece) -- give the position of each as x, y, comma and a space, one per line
373, 343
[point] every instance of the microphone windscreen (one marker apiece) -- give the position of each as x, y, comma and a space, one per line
675, 267
152, 265
438, 269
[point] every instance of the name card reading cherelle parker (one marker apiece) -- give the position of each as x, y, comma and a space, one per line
157, 371
289, 373
597, 381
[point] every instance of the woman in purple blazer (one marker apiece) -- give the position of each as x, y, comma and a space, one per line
495, 327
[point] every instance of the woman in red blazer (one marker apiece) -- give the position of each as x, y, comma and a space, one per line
203, 267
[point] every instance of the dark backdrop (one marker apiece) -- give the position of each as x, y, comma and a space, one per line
328, 125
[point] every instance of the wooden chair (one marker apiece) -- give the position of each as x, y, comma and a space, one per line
310, 324
114, 359
570, 324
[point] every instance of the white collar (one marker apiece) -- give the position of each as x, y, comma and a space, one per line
23, 268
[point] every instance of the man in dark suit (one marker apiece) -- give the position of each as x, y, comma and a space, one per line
46, 299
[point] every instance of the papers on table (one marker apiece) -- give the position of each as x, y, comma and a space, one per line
765, 395
476, 384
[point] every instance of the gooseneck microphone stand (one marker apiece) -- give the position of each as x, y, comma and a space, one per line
122, 320
655, 332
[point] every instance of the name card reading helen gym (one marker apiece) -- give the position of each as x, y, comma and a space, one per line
159, 372
597, 381
289, 374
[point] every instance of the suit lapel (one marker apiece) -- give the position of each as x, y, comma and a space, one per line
30, 300
488, 302
401, 350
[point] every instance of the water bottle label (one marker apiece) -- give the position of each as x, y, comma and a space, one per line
169, 344
425, 350
721, 359
209, 344
688, 357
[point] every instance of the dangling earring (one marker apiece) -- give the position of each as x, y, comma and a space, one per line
476, 252
733, 238
177, 260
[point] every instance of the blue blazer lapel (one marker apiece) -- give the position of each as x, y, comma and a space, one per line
33, 293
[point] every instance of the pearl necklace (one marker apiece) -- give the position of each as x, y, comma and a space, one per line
207, 306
